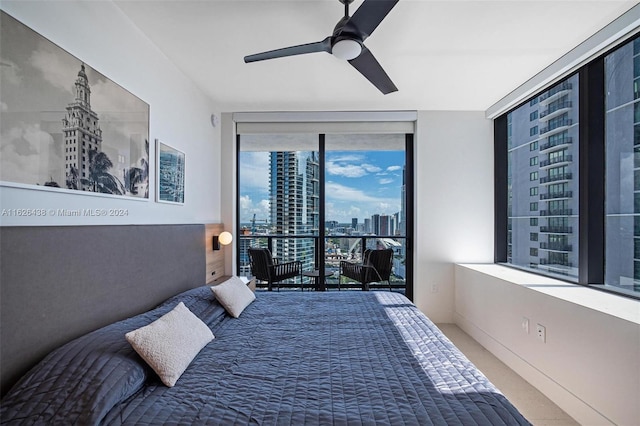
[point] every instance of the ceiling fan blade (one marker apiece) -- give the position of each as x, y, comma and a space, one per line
368, 16
319, 46
368, 66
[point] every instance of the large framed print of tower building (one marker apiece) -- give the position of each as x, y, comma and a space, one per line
65, 126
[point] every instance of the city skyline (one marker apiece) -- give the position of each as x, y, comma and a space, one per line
359, 184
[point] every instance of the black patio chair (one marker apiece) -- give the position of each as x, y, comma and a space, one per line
375, 267
266, 268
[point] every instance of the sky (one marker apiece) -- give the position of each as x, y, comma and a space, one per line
358, 184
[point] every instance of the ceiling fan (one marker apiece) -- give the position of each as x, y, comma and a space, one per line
347, 42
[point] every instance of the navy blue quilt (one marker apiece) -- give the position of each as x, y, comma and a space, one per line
296, 358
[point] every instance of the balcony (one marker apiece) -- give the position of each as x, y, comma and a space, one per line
555, 93
556, 195
555, 110
556, 247
556, 161
556, 230
556, 178
557, 126
556, 143
305, 248
556, 212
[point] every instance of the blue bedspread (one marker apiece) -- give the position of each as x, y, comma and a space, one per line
291, 358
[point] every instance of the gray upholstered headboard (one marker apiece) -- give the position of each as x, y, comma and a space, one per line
57, 283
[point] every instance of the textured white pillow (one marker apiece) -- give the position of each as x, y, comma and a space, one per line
171, 342
234, 295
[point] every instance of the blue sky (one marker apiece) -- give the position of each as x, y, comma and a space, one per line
358, 184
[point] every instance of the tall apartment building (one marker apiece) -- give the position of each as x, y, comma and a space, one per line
294, 204
622, 155
543, 181
82, 133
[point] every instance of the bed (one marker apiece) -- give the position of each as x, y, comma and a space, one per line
290, 358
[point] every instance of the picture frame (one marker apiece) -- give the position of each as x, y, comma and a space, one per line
66, 127
170, 174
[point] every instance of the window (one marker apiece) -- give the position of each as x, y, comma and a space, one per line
533, 115
533, 131
553, 179
622, 171
594, 240
323, 198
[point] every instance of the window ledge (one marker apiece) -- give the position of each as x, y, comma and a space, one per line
611, 304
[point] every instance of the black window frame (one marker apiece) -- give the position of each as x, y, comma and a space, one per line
591, 168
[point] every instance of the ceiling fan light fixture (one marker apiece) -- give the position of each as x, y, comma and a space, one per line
346, 49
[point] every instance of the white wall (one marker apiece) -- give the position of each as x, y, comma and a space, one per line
99, 34
590, 363
454, 203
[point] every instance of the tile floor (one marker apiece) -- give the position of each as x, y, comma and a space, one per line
536, 407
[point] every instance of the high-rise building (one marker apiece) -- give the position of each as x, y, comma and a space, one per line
385, 225
294, 205
622, 155
82, 134
543, 181
375, 224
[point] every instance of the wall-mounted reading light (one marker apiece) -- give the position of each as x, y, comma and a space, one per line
223, 239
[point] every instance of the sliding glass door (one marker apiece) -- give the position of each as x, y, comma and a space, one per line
324, 198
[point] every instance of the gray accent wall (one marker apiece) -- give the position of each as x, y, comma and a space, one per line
60, 282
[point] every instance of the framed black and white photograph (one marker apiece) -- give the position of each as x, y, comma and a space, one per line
170, 174
65, 126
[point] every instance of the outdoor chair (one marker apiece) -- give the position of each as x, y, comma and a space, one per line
375, 267
266, 268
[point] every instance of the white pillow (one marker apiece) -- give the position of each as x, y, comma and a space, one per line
234, 295
171, 342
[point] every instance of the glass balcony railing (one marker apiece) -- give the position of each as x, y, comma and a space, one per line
555, 178
556, 212
556, 194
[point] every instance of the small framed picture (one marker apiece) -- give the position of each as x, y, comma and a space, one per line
170, 178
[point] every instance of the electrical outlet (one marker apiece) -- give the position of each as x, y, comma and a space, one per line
525, 324
541, 332
434, 288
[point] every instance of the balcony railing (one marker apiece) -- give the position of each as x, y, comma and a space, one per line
288, 248
554, 178
556, 246
560, 141
556, 212
556, 160
555, 107
557, 89
555, 125
556, 229
554, 195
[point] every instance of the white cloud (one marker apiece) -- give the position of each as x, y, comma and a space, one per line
11, 73
57, 69
351, 170
394, 168
248, 208
28, 156
255, 171
385, 181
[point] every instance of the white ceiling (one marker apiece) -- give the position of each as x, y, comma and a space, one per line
442, 55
